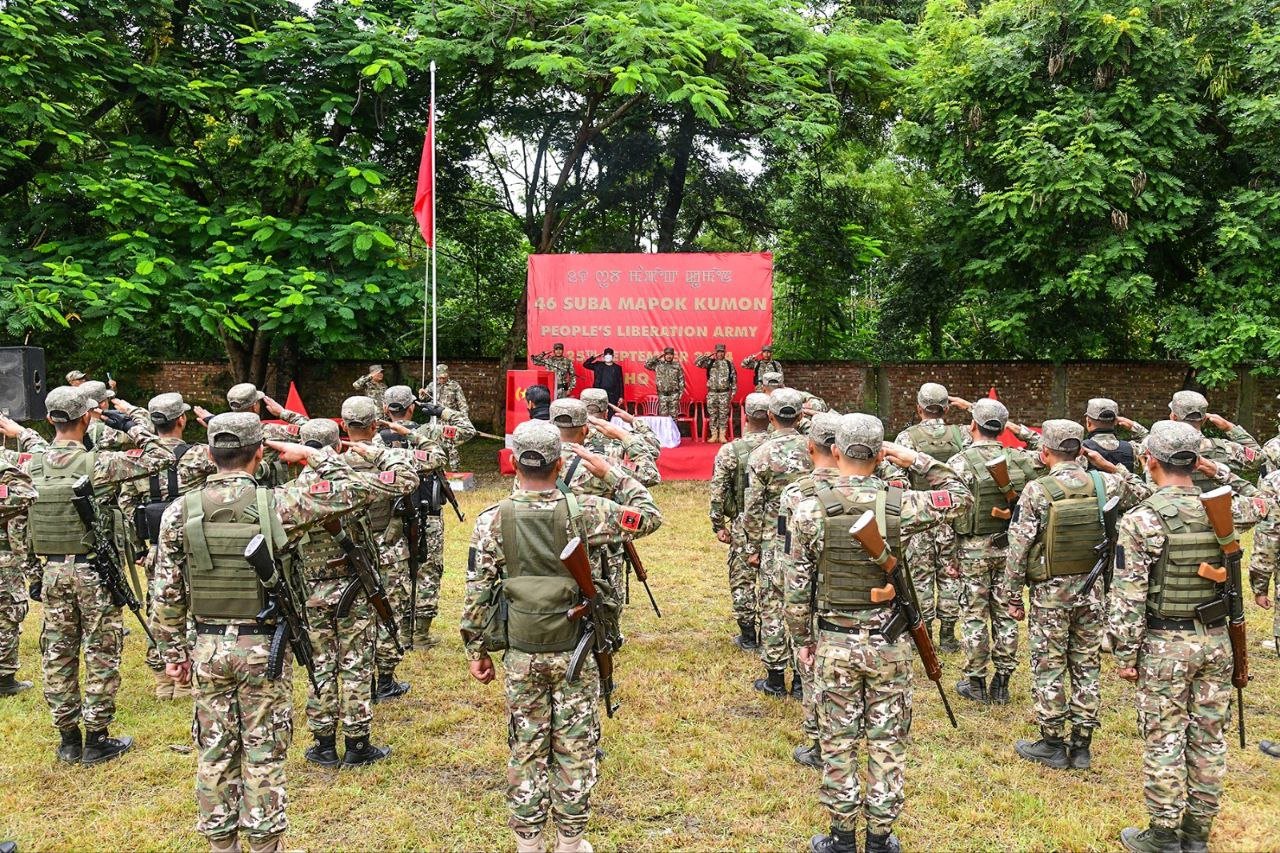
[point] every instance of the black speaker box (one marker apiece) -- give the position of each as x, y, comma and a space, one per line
23, 384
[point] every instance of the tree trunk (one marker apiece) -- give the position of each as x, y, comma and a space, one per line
681, 150
260, 358
286, 367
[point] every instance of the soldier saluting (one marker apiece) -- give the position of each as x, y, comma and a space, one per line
669, 377
561, 366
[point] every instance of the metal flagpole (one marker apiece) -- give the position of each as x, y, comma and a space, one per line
435, 391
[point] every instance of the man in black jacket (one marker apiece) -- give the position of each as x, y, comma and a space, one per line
608, 375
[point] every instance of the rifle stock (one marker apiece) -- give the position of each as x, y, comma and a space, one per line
1217, 506
367, 579
578, 563
281, 606
999, 470
106, 559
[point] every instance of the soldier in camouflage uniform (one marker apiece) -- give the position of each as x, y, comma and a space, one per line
822, 438
722, 384
761, 363
243, 718
101, 435
670, 381
611, 444
1238, 450
771, 467
981, 543
728, 500
931, 556
863, 681
76, 378
78, 612
561, 366
16, 494
1052, 547
554, 724
372, 385
1264, 562
1182, 667
447, 394
245, 397
1102, 416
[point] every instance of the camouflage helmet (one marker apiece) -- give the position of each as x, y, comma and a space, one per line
167, 408
989, 414
755, 403
359, 411
859, 436
786, 403
1102, 409
1188, 406
568, 413
596, 400
823, 428
932, 397
241, 397
398, 398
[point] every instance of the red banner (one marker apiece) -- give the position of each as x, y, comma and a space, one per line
639, 304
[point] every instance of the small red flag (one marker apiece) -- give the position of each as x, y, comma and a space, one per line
293, 400
422, 200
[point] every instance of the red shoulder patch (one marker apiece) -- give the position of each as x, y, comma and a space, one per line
24, 458
1250, 454
940, 499
4, 491
320, 487
449, 432
135, 453
421, 455
293, 429
388, 477
898, 484
629, 519
1262, 506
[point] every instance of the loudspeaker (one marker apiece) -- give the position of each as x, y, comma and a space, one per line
23, 384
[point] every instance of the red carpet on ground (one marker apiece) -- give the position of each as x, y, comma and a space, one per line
689, 461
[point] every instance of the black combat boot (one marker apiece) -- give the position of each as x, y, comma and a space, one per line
388, 688
1050, 750
999, 692
11, 686
797, 687
361, 752
1195, 833
1156, 839
887, 843
974, 688
773, 684
747, 639
947, 641
324, 751
1270, 747
809, 755
99, 747
839, 841
1079, 756
72, 745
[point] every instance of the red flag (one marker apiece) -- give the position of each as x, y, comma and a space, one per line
423, 207
293, 401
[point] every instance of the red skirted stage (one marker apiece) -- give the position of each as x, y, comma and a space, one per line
689, 461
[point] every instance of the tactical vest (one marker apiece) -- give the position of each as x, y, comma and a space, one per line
379, 513
1218, 453
222, 583
53, 523
941, 446
1175, 589
1114, 450
319, 553
1073, 530
987, 495
846, 575
160, 493
736, 500
538, 588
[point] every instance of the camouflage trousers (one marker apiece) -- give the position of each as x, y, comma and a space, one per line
718, 410
242, 728
983, 601
453, 460
775, 641
153, 653
742, 578
669, 405
553, 731
395, 579
929, 555
808, 699
1265, 560
863, 689
430, 574
78, 614
13, 609
1184, 704
344, 661
1066, 641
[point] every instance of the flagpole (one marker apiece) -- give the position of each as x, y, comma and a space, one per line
434, 311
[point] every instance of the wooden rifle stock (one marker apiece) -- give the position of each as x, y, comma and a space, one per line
999, 470
1217, 506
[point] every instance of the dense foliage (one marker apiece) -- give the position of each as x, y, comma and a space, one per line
1017, 178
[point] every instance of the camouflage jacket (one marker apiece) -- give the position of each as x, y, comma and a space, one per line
634, 458
449, 394
16, 494
981, 547
135, 493
1259, 570
935, 426
770, 467
721, 374
562, 367
369, 388
921, 510
1241, 449
723, 472
1140, 541
605, 522
104, 437
760, 366
111, 467
668, 377
638, 451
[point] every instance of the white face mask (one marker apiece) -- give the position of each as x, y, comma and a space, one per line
608, 359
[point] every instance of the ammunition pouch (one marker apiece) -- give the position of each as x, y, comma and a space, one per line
1213, 614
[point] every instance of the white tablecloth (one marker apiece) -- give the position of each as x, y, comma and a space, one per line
664, 428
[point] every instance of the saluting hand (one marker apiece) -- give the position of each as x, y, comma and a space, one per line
626, 416
903, 457
9, 426
292, 453
1219, 422
960, 403
594, 462
397, 427
607, 429
274, 408
1098, 461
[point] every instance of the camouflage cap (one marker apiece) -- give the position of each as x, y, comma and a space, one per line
96, 391
755, 403
859, 436
322, 431
167, 408
1175, 442
1189, 406
1102, 409
823, 428
398, 398
932, 397
1062, 436
596, 400
786, 403
989, 414
442, 370
771, 379
815, 404
359, 411
767, 348
568, 413
720, 348
74, 375
668, 350
66, 403
375, 368
235, 429
242, 396
557, 346
536, 444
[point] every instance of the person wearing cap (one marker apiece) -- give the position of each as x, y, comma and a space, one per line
1053, 541
776, 463
79, 616
1264, 558
75, 378
722, 385
16, 495
243, 718
670, 381
1182, 666
101, 434
245, 397
1102, 416
728, 500
988, 634
554, 723
761, 363
599, 407
1238, 449
372, 384
606, 375
447, 394
821, 438
863, 680
931, 556
562, 366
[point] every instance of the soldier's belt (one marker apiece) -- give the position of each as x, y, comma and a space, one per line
63, 558
824, 625
1159, 623
243, 629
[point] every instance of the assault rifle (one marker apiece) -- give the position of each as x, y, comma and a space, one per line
898, 591
1106, 550
575, 559
1217, 505
633, 558
998, 468
408, 510
291, 623
367, 580
106, 558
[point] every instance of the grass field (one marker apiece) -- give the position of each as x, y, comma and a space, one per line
696, 759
